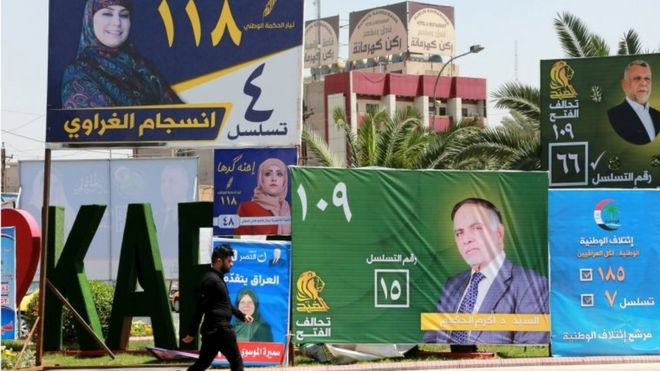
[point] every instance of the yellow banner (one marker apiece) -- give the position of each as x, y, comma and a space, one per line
485, 322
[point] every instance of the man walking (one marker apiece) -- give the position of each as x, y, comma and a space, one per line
214, 303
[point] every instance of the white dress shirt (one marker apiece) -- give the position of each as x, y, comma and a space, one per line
490, 272
644, 115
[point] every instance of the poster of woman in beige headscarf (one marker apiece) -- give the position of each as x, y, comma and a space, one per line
251, 195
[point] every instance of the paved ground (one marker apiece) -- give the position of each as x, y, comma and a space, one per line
535, 364
614, 363
609, 363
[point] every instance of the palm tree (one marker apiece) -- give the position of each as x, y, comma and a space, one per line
441, 150
578, 42
317, 145
380, 140
400, 141
517, 120
515, 145
630, 44
506, 147
576, 39
520, 98
523, 101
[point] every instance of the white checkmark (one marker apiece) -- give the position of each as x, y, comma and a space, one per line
595, 163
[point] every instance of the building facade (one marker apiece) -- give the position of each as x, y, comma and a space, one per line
442, 101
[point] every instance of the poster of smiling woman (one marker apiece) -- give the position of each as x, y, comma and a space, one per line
251, 192
165, 72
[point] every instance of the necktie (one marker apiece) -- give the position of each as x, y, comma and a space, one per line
467, 305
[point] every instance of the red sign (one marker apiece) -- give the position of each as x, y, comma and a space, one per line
28, 247
259, 353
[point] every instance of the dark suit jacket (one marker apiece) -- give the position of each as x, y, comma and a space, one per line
627, 124
280, 263
514, 290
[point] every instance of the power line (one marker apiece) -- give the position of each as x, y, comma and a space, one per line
42, 142
22, 136
21, 112
25, 124
19, 150
60, 154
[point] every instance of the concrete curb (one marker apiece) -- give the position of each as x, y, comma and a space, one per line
480, 363
524, 363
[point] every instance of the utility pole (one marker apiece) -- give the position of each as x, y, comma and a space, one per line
515, 60
318, 34
4, 169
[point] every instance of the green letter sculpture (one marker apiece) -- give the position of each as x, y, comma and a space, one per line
192, 217
140, 262
66, 271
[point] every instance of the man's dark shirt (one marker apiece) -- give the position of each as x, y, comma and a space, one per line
213, 303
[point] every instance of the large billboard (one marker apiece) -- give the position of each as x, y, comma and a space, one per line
431, 29
377, 32
326, 51
152, 72
251, 191
605, 249
400, 246
599, 122
400, 28
161, 182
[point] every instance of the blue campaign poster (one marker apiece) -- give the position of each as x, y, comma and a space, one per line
258, 284
604, 250
8, 297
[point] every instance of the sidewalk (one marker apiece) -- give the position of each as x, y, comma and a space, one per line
609, 363
626, 363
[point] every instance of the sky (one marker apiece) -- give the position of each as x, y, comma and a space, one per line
497, 25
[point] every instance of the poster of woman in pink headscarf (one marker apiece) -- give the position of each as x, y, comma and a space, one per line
251, 192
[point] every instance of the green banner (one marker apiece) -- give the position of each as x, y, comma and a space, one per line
374, 249
592, 135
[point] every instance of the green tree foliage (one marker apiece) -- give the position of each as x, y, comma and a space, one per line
576, 39
505, 147
381, 140
519, 98
102, 294
519, 136
402, 141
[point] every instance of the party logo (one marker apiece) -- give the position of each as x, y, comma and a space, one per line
606, 214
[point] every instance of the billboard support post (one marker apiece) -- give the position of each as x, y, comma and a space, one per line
44, 248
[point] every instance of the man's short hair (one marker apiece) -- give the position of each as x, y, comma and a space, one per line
479, 202
222, 252
636, 62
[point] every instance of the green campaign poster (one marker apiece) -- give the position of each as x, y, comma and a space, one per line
600, 121
372, 249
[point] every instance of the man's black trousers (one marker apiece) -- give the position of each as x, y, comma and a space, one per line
222, 339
